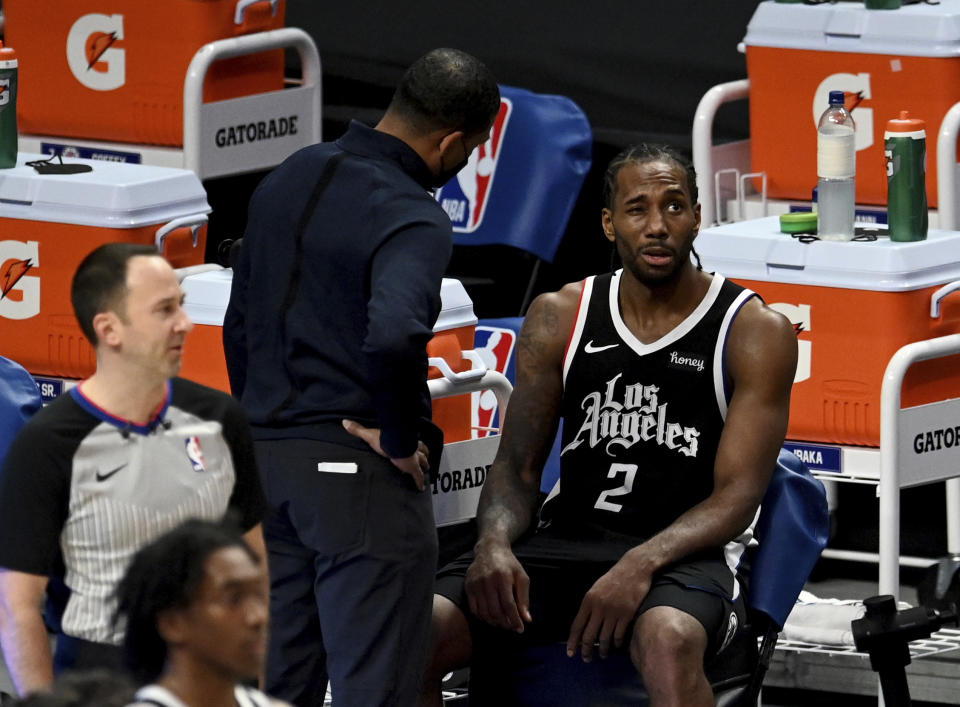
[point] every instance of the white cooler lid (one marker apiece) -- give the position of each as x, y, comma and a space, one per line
113, 195
912, 30
206, 296
457, 307
756, 250
208, 293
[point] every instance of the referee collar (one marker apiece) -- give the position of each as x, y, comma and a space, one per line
125, 426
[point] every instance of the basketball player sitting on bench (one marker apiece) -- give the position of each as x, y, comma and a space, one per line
674, 388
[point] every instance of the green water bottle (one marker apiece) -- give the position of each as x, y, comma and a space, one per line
883, 4
8, 107
905, 148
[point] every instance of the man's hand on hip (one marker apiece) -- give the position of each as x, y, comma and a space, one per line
415, 465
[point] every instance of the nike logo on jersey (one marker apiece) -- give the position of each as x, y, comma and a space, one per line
590, 348
104, 477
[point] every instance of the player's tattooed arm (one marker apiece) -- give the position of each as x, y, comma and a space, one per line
510, 492
539, 331
496, 584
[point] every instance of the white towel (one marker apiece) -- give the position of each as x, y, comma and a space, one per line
824, 621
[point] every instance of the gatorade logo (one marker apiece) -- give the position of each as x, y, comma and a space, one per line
92, 55
857, 89
4, 92
19, 291
799, 316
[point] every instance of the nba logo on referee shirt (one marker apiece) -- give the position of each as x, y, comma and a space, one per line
495, 346
195, 454
465, 197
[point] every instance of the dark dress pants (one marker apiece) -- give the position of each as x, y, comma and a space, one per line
353, 553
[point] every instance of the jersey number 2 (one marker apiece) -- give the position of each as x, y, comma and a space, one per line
631, 471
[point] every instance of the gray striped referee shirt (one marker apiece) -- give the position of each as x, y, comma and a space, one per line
81, 491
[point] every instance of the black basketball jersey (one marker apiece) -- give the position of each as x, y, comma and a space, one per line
641, 422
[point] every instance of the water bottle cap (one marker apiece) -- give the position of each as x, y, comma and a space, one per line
6, 53
837, 97
905, 124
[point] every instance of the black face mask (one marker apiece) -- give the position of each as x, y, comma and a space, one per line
445, 175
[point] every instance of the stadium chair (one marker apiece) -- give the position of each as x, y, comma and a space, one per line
19, 399
518, 189
792, 530
516, 193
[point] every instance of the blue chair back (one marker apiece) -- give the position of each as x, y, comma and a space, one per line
792, 530
19, 399
520, 187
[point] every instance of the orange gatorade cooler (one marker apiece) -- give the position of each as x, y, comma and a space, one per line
50, 222
208, 293
206, 296
884, 60
114, 69
452, 335
853, 305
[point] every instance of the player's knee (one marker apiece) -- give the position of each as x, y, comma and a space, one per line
666, 643
450, 642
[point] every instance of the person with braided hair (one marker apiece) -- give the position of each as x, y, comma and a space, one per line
673, 385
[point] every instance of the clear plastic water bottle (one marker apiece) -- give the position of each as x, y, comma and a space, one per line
836, 168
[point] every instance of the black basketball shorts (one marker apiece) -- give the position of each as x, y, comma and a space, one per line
561, 570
